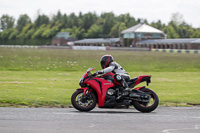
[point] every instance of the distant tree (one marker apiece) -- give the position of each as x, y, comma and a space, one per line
58, 17
109, 22
99, 21
6, 22
25, 30
22, 21
74, 19
64, 21
116, 29
158, 25
196, 34
80, 19
13, 34
50, 32
94, 32
127, 19
88, 20
171, 33
41, 19
76, 32
80, 15
38, 33
89, 25
30, 33
6, 33
174, 25
9, 34
185, 30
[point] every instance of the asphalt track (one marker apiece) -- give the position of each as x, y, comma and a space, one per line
68, 120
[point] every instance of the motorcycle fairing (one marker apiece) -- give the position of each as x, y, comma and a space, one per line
100, 86
135, 81
138, 88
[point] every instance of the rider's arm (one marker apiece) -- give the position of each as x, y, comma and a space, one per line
108, 69
111, 67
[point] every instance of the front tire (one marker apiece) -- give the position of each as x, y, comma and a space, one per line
147, 107
81, 104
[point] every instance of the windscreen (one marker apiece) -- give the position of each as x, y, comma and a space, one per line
90, 69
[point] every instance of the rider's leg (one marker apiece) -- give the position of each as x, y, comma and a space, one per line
121, 79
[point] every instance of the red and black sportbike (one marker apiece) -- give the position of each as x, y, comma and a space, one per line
104, 90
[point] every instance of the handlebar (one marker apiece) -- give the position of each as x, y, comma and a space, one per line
94, 75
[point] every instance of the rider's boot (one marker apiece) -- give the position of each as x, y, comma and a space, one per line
128, 89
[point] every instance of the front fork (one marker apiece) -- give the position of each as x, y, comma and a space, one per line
86, 92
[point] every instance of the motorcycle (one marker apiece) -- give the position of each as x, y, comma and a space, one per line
105, 90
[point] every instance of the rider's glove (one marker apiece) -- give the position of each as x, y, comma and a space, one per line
99, 72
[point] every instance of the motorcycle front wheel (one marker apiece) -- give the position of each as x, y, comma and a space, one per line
83, 103
151, 105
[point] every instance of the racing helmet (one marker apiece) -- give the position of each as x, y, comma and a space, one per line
106, 60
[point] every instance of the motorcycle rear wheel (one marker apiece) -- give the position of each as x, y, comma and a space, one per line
147, 107
83, 105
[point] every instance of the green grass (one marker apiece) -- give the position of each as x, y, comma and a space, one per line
47, 77
42, 88
37, 88
71, 60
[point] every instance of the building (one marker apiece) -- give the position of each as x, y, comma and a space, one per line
98, 42
182, 43
140, 32
143, 35
62, 39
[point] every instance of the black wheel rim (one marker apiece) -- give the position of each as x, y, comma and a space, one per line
87, 102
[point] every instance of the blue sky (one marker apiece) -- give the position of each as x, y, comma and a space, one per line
152, 10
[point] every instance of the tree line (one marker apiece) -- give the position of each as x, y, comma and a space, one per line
24, 31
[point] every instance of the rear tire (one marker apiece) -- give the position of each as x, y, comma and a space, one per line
83, 105
146, 108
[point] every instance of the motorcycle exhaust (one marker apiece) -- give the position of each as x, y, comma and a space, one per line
139, 95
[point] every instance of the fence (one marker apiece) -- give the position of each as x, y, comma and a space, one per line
105, 48
176, 51
19, 46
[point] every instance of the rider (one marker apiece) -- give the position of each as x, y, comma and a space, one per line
108, 65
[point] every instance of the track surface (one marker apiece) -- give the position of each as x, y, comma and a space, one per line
68, 120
